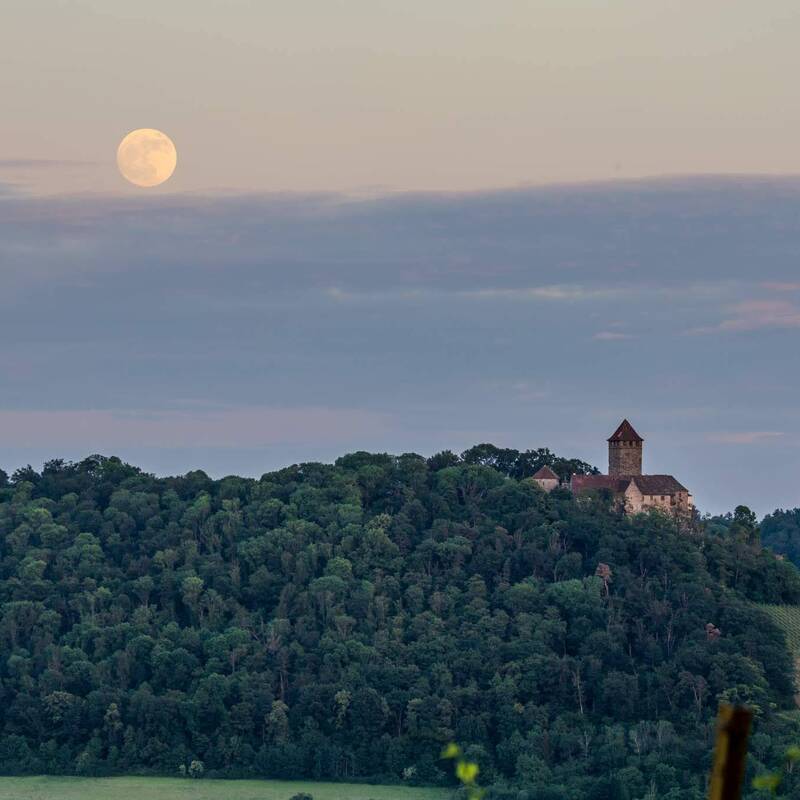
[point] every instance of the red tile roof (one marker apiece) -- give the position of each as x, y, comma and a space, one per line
545, 473
658, 484
588, 483
648, 484
625, 433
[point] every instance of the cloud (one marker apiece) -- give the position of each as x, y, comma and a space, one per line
248, 427
753, 315
345, 296
785, 286
41, 163
744, 437
521, 293
553, 292
611, 336
557, 243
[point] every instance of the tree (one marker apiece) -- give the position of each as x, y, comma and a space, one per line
605, 574
745, 524
447, 458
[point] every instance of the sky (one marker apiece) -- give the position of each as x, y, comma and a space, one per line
365, 95
404, 227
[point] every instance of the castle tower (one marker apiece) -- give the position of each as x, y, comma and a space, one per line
625, 451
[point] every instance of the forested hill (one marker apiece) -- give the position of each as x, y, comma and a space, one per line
345, 621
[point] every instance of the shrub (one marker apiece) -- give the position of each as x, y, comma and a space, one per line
196, 769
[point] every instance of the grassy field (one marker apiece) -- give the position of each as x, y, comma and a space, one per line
787, 618
57, 788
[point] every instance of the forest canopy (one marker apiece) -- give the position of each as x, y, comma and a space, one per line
346, 621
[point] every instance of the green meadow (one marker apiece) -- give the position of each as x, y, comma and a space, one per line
59, 788
787, 618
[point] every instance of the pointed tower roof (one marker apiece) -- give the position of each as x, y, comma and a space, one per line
625, 433
545, 473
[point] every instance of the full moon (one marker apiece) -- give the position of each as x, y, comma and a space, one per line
146, 157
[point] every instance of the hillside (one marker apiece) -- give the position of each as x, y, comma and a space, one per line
781, 533
342, 622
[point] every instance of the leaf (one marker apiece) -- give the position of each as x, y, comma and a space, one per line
451, 751
770, 781
793, 753
467, 771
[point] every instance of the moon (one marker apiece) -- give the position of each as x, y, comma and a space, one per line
147, 157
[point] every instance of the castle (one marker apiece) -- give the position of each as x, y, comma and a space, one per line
631, 489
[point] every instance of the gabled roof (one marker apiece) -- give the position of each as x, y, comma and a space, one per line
658, 484
648, 484
588, 483
545, 473
625, 433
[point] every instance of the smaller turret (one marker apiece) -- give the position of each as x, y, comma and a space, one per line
546, 478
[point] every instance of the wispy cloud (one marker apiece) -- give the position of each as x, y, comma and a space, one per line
353, 296
41, 163
611, 336
753, 315
554, 293
781, 286
744, 437
551, 292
